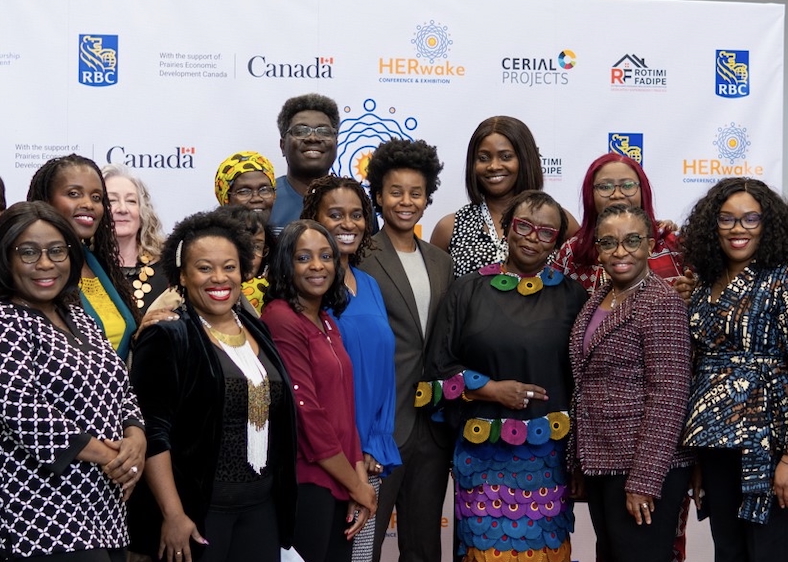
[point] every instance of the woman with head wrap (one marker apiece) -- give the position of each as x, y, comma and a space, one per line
247, 178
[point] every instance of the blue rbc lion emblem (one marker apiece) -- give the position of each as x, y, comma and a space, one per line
732, 142
432, 41
733, 74
98, 60
627, 144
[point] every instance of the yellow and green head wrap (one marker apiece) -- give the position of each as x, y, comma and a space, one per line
237, 164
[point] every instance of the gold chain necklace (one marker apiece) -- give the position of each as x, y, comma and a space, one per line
625, 291
233, 340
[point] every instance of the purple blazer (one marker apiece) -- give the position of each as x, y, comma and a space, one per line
632, 387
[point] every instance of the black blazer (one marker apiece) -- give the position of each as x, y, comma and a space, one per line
180, 386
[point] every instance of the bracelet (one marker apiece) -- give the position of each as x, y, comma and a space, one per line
466, 399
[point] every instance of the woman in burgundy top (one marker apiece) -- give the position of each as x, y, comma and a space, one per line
334, 497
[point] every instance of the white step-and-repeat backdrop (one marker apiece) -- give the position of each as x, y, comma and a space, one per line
693, 90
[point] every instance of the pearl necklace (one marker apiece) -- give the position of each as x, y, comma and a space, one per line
233, 340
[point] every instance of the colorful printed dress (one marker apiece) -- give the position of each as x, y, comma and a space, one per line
512, 499
741, 346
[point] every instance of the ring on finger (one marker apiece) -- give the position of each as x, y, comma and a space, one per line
134, 470
644, 505
529, 394
525, 402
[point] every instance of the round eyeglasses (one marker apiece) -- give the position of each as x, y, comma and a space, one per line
628, 188
31, 254
631, 243
246, 193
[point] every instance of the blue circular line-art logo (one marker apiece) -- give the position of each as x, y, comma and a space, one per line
358, 137
732, 142
432, 41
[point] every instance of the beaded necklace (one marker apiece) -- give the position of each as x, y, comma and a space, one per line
141, 284
507, 281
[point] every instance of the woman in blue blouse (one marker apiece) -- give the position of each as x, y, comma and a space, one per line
342, 206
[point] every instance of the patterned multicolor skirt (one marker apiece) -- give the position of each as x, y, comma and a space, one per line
511, 490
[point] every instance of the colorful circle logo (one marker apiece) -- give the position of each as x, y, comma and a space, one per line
432, 41
567, 59
732, 142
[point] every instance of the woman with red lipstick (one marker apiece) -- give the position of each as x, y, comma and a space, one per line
334, 496
502, 161
630, 354
74, 186
343, 207
219, 411
736, 239
498, 364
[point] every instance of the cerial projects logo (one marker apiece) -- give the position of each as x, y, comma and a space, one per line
732, 74
261, 66
631, 73
626, 144
429, 64
98, 60
731, 144
177, 158
538, 71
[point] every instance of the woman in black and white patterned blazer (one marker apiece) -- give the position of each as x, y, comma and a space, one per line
70, 431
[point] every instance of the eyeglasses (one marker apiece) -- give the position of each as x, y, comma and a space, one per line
748, 221
31, 254
301, 132
628, 188
260, 250
631, 243
523, 227
246, 193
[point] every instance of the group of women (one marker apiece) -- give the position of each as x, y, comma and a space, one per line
563, 357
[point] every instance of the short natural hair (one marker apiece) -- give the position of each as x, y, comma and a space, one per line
281, 270
400, 154
18, 218
529, 174
150, 236
307, 102
535, 200
619, 210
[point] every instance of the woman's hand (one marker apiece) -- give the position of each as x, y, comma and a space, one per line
667, 226
516, 395
372, 466
781, 481
126, 468
357, 515
640, 507
685, 284
154, 317
365, 496
577, 485
696, 483
176, 531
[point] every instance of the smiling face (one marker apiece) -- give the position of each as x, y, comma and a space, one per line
402, 199
125, 203
342, 214
313, 265
622, 266
616, 173
527, 254
311, 157
496, 166
41, 282
77, 194
211, 275
740, 244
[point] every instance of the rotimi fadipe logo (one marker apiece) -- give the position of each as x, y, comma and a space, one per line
538, 71
732, 76
432, 43
626, 144
98, 60
261, 66
631, 73
180, 157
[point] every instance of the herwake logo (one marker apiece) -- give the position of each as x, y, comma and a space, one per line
98, 60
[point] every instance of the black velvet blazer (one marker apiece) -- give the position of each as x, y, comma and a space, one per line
180, 387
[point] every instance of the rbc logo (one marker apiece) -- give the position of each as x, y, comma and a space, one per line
626, 144
98, 60
733, 74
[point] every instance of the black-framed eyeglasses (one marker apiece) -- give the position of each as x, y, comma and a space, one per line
31, 254
631, 243
260, 250
627, 187
302, 132
246, 193
749, 221
545, 234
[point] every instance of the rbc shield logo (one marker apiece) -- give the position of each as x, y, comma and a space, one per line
626, 144
98, 60
733, 74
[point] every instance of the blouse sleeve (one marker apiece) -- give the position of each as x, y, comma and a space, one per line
30, 419
317, 439
666, 346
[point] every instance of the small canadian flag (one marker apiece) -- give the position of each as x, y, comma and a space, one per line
326, 60
187, 150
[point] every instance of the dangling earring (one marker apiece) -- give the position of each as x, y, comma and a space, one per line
92, 243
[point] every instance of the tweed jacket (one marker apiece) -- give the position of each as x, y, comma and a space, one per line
632, 387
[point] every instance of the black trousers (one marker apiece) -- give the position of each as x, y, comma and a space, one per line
320, 526
242, 535
95, 555
736, 540
618, 537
